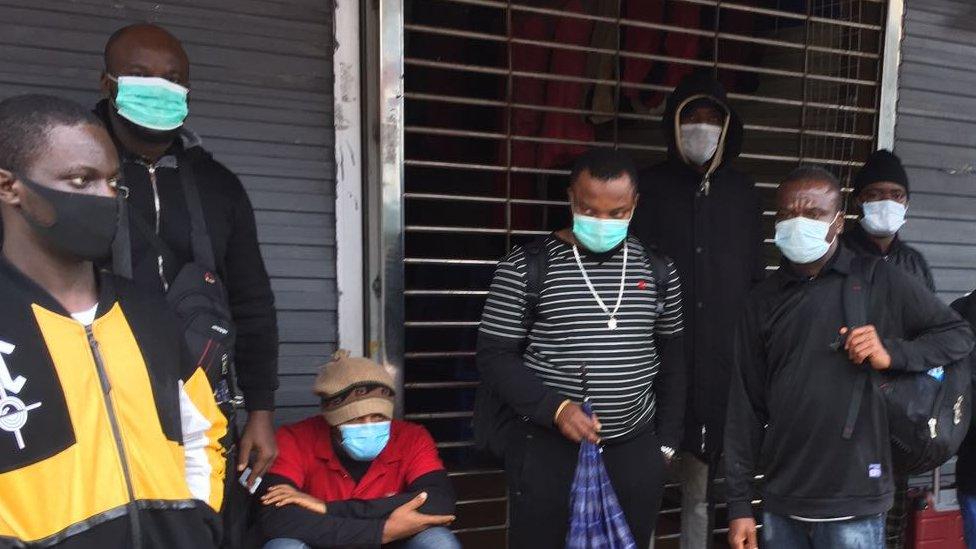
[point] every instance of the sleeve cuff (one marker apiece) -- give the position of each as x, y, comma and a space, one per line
740, 509
258, 400
898, 360
545, 412
377, 529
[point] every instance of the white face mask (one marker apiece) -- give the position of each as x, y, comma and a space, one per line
803, 240
883, 217
699, 142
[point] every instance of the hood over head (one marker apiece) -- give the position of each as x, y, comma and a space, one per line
695, 86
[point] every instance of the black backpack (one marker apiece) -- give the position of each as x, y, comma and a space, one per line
493, 418
927, 418
199, 298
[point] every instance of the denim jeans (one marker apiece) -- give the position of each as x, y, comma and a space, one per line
431, 538
967, 505
781, 532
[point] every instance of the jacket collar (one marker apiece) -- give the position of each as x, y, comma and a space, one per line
860, 239
840, 263
34, 293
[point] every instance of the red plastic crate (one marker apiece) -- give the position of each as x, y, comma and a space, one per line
931, 528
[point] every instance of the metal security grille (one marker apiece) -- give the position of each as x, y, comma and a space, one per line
501, 95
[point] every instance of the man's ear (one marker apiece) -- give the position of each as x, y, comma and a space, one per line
9, 195
106, 84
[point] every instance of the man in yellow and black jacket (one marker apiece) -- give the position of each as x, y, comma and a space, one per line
108, 433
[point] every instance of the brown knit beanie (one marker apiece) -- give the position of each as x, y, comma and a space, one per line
354, 387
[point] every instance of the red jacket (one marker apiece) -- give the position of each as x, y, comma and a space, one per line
306, 457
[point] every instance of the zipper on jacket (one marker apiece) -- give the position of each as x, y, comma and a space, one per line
136, 529
706, 185
157, 208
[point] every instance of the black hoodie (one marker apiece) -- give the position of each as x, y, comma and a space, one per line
230, 221
710, 224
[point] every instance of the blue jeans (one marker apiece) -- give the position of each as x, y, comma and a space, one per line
431, 538
967, 504
781, 532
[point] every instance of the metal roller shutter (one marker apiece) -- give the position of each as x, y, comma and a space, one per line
262, 101
499, 95
935, 136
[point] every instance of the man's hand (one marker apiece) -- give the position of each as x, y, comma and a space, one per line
258, 437
575, 425
742, 534
405, 521
864, 344
280, 495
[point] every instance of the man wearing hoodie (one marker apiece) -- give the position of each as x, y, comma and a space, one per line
145, 85
881, 195
696, 208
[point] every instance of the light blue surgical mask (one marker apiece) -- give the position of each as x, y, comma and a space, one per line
151, 102
883, 217
599, 235
365, 441
803, 240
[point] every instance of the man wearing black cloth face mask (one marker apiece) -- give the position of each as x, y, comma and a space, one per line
145, 85
97, 393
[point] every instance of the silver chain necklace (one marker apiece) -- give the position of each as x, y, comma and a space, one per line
612, 322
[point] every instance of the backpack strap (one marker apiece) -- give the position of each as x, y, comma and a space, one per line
122, 244
536, 266
855, 316
203, 253
659, 270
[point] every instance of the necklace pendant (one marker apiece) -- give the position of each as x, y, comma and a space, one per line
612, 323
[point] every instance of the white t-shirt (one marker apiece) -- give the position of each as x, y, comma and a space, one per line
86, 317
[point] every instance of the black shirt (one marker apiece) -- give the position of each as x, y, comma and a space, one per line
899, 254
791, 389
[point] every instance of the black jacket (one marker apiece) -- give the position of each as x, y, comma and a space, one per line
230, 221
793, 382
713, 233
899, 254
966, 464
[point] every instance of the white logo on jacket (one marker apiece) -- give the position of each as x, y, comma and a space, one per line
13, 411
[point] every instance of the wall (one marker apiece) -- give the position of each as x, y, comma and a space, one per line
261, 98
935, 135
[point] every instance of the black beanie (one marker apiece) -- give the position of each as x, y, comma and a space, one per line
882, 165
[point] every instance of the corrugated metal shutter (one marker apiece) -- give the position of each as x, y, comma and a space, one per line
261, 74
493, 119
936, 136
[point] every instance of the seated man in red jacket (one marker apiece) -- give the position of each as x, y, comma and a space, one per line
352, 476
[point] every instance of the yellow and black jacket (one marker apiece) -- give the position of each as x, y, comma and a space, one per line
109, 435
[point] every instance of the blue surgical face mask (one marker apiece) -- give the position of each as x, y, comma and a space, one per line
883, 217
365, 441
599, 235
150, 102
803, 240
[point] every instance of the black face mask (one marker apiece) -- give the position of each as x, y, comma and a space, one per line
84, 225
